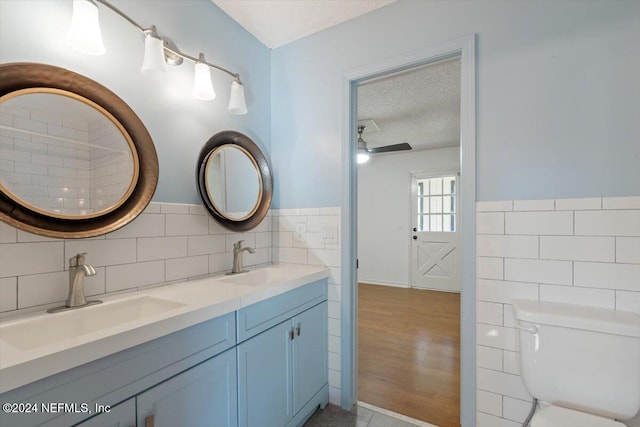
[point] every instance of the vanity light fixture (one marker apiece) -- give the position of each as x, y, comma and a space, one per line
84, 32
202, 87
84, 35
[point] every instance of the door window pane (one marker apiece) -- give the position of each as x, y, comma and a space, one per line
437, 204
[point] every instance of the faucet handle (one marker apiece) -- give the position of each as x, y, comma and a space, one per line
77, 259
238, 244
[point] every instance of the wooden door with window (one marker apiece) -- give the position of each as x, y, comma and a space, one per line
435, 242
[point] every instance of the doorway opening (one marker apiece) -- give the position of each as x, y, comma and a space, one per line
464, 48
408, 245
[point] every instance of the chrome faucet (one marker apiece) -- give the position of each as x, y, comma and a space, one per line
78, 270
237, 257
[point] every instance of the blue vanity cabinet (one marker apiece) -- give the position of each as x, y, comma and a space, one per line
264, 379
203, 396
121, 415
310, 355
282, 368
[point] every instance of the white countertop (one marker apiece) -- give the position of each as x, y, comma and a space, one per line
23, 361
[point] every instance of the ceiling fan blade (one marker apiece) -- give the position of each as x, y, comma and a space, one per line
388, 148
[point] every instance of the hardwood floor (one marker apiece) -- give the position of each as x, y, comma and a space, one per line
409, 352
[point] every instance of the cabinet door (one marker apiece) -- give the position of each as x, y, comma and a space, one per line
203, 396
310, 354
121, 415
264, 378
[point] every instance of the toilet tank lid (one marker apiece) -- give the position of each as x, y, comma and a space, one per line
578, 316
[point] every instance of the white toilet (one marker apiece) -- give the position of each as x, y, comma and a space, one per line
581, 363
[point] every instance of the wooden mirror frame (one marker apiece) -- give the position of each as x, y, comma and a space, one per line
229, 137
20, 76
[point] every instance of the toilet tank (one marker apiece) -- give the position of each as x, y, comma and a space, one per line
583, 358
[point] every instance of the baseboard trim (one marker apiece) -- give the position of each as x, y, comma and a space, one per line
395, 415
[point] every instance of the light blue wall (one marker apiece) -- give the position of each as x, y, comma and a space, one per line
557, 87
34, 31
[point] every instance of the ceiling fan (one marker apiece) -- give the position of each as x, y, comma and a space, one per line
363, 151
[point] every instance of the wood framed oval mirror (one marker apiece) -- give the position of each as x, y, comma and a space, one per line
76, 160
234, 180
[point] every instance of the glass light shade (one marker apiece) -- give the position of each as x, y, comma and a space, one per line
84, 32
363, 156
237, 104
153, 64
202, 87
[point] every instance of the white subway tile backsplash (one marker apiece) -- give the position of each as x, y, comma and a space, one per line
588, 254
220, 262
621, 202
490, 223
182, 268
507, 246
206, 244
334, 360
488, 420
539, 223
334, 344
505, 292
283, 239
263, 239
625, 277
628, 250
174, 208
145, 225
17, 259
578, 204
291, 255
502, 383
490, 268
186, 225
328, 257
496, 336
538, 271
7, 233
628, 301
494, 206
489, 312
103, 252
8, 294
578, 295
511, 362
489, 357
578, 248
154, 248
40, 289
534, 205
127, 276
489, 403
608, 223
515, 409
334, 310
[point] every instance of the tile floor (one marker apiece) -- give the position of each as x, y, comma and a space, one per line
334, 416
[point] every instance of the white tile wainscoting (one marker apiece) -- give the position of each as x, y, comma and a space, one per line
580, 251
312, 236
165, 244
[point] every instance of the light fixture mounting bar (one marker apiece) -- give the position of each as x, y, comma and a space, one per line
170, 47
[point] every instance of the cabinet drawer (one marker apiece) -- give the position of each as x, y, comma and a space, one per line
261, 316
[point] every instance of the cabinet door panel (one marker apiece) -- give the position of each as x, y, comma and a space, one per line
203, 396
310, 354
264, 380
121, 415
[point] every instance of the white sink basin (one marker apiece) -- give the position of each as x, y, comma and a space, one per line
52, 328
264, 276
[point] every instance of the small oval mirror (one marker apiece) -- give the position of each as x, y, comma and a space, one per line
234, 180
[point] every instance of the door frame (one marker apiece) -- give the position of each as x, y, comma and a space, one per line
465, 48
412, 213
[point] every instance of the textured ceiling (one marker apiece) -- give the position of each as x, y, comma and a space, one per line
419, 106
278, 22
